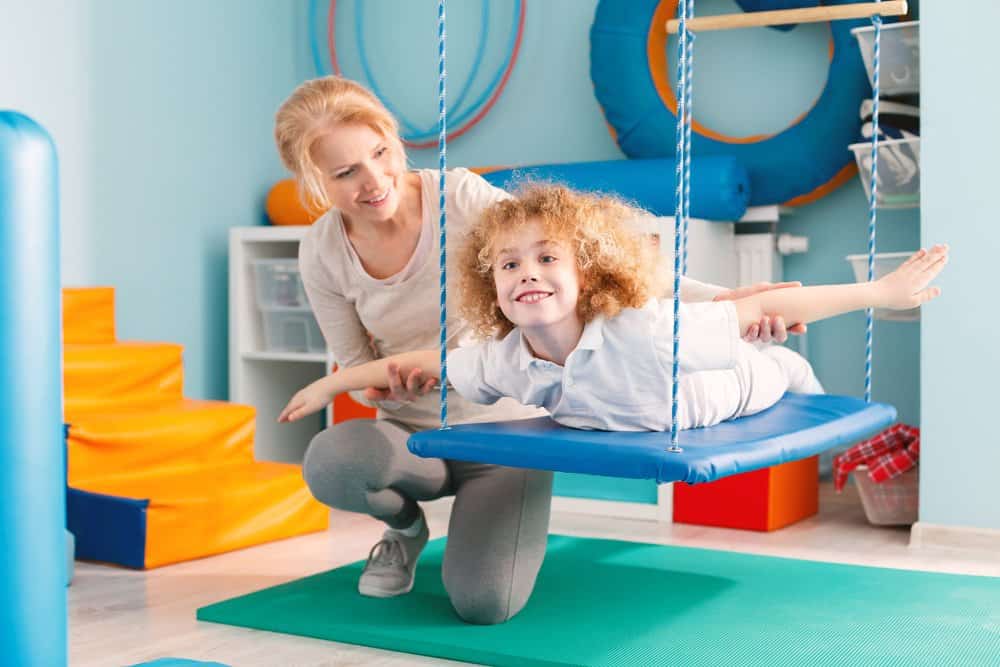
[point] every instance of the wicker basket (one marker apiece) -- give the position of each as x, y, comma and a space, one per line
893, 502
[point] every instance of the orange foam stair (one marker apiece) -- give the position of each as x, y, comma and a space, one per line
109, 376
88, 315
158, 519
154, 478
182, 434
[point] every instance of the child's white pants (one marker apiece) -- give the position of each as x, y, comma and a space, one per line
761, 377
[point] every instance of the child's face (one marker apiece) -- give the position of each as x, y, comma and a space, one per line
362, 172
536, 278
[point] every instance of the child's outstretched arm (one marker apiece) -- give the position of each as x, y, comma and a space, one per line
904, 288
318, 395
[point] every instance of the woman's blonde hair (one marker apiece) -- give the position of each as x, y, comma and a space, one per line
619, 265
309, 111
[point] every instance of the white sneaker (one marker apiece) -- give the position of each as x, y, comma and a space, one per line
392, 563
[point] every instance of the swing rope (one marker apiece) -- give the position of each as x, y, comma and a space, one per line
689, 107
872, 201
685, 71
442, 166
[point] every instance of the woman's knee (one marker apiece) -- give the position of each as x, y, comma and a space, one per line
339, 466
481, 603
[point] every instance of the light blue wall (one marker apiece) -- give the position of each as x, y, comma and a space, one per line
183, 96
43, 73
960, 449
162, 114
547, 112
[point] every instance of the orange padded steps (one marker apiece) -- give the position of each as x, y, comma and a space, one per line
182, 434
197, 513
112, 376
154, 478
88, 315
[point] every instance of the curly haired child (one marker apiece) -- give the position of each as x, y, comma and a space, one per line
562, 289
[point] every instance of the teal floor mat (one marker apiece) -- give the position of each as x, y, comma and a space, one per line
600, 602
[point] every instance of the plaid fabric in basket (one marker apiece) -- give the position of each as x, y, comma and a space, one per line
888, 454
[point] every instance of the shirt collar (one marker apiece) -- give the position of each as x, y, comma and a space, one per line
591, 339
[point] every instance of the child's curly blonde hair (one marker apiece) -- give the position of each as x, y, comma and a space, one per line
619, 266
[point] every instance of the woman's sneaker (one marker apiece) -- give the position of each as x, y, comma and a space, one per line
392, 563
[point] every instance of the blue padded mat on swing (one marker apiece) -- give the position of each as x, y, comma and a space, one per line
796, 427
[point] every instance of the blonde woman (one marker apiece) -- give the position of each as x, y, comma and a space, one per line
370, 270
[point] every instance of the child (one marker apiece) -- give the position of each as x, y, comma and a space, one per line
563, 291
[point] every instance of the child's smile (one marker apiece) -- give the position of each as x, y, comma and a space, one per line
532, 296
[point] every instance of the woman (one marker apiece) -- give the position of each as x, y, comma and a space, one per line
370, 270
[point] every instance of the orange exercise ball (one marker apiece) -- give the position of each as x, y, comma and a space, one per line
284, 207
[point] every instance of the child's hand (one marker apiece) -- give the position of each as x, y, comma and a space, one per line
304, 403
907, 286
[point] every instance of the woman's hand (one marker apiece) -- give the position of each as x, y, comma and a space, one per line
402, 390
769, 328
307, 401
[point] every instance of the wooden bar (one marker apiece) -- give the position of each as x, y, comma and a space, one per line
788, 16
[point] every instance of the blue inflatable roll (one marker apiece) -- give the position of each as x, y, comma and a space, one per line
720, 186
32, 482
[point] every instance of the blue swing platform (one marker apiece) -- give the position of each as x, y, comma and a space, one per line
796, 427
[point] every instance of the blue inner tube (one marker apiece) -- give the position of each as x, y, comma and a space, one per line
802, 163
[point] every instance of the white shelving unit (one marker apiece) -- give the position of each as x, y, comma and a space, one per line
898, 159
258, 377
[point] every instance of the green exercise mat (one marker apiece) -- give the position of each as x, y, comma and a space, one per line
602, 602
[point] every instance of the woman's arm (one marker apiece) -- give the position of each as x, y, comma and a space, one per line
906, 287
318, 395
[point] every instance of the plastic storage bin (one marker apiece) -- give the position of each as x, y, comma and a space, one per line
894, 502
278, 283
291, 330
884, 263
898, 171
899, 56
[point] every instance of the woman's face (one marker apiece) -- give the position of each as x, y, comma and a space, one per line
363, 172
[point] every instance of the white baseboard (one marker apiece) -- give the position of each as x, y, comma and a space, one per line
661, 512
930, 535
606, 508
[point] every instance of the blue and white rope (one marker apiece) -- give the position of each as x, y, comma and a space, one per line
442, 167
872, 204
688, 106
685, 8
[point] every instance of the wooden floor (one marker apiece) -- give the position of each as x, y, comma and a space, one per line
122, 617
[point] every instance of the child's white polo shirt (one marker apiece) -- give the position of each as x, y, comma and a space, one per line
618, 377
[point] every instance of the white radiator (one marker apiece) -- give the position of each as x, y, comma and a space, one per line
757, 259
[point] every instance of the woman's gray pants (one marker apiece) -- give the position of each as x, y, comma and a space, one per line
499, 521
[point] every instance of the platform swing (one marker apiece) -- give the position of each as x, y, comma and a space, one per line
798, 426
